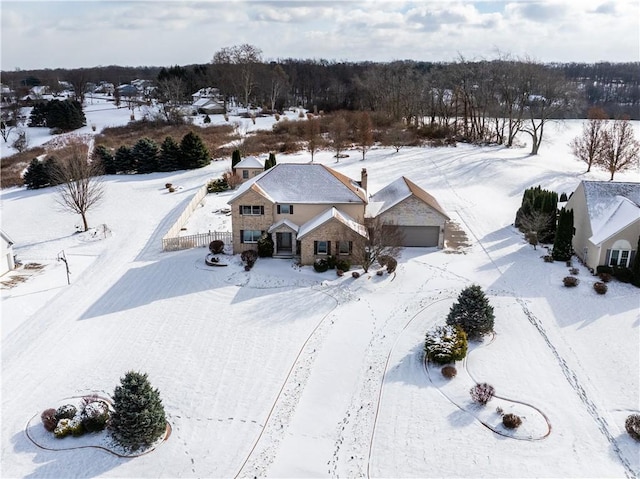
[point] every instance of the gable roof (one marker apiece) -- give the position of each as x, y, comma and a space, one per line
250, 162
303, 183
611, 207
396, 192
328, 215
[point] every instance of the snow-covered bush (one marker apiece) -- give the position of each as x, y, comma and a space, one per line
76, 426
320, 265
216, 247
67, 411
570, 281
49, 420
574, 271
63, 429
511, 421
355, 275
343, 264
249, 257
482, 393
449, 372
95, 415
389, 262
548, 258
605, 277
445, 344
632, 425
600, 287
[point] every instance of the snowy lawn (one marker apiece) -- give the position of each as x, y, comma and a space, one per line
284, 372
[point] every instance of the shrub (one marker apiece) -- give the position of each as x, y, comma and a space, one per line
339, 272
570, 281
68, 411
445, 344
331, 262
604, 269
168, 185
605, 277
389, 262
574, 271
355, 275
265, 246
218, 185
49, 420
63, 429
343, 265
249, 257
511, 421
600, 288
482, 393
95, 415
632, 425
449, 372
216, 247
472, 312
320, 265
569, 263
139, 418
172, 189
625, 275
76, 426
548, 258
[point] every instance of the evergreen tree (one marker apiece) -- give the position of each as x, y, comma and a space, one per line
65, 115
562, 249
635, 266
107, 160
235, 159
123, 160
145, 155
139, 418
194, 153
36, 176
536, 200
169, 159
271, 161
51, 167
38, 116
472, 313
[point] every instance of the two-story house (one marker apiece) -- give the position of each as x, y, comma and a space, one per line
313, 211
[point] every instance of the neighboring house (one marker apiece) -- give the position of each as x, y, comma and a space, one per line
606, 219
312, 211
248, 167
208, 101
417, 214
7, 263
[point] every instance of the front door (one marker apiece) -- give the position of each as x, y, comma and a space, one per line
283, 242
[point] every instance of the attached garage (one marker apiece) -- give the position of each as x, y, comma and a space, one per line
421, 236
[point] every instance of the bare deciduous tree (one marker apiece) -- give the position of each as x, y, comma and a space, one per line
620, 150
312, 134
78, 180
588, 146
364, 133
172, 94
245, 58
338, 134
384, 239
535, 225
279, 82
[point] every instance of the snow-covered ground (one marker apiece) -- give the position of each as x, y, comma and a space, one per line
284, 372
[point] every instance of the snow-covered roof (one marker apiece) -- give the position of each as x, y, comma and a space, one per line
290, 224
250, 162
6, 237
611, 207
304, 183
398, 191
332, 213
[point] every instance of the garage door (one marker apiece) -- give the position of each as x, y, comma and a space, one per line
424, 236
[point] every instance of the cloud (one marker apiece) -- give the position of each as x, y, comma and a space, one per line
538, 11
608, 8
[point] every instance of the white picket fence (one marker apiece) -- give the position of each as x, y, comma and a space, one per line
172, 241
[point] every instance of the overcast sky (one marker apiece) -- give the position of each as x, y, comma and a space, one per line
69, 34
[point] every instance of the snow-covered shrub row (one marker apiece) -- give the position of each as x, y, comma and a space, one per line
445, 344
92, 416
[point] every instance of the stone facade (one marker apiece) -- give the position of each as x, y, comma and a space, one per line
250, 222
414, 212
333, 231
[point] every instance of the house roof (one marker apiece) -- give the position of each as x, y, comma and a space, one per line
328, 215
250, 162
611, 206
6, 237
290, 224
303, 183
396, 192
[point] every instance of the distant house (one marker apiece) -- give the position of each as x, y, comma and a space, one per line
208, 101
249, 167
606, 219
312, 211
127, 90
6, 252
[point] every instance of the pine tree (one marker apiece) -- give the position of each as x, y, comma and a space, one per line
235, 159
123, 160
139, 418
36, 176
472, 313
169, 159
271, 161
562, 249
145, 155
194, 153
104, 156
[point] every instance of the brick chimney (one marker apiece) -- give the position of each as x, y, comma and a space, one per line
363, 179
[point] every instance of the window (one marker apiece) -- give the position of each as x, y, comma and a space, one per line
322, 247
245, 174
285, 209
250, 236
619, 258
344, 247
251, 210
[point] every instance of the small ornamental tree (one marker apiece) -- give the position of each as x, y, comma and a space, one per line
235, 158
445, 344
139, 418
562, 248
265, 246
271, 161
472, 313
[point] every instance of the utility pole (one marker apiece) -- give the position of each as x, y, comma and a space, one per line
62, 257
